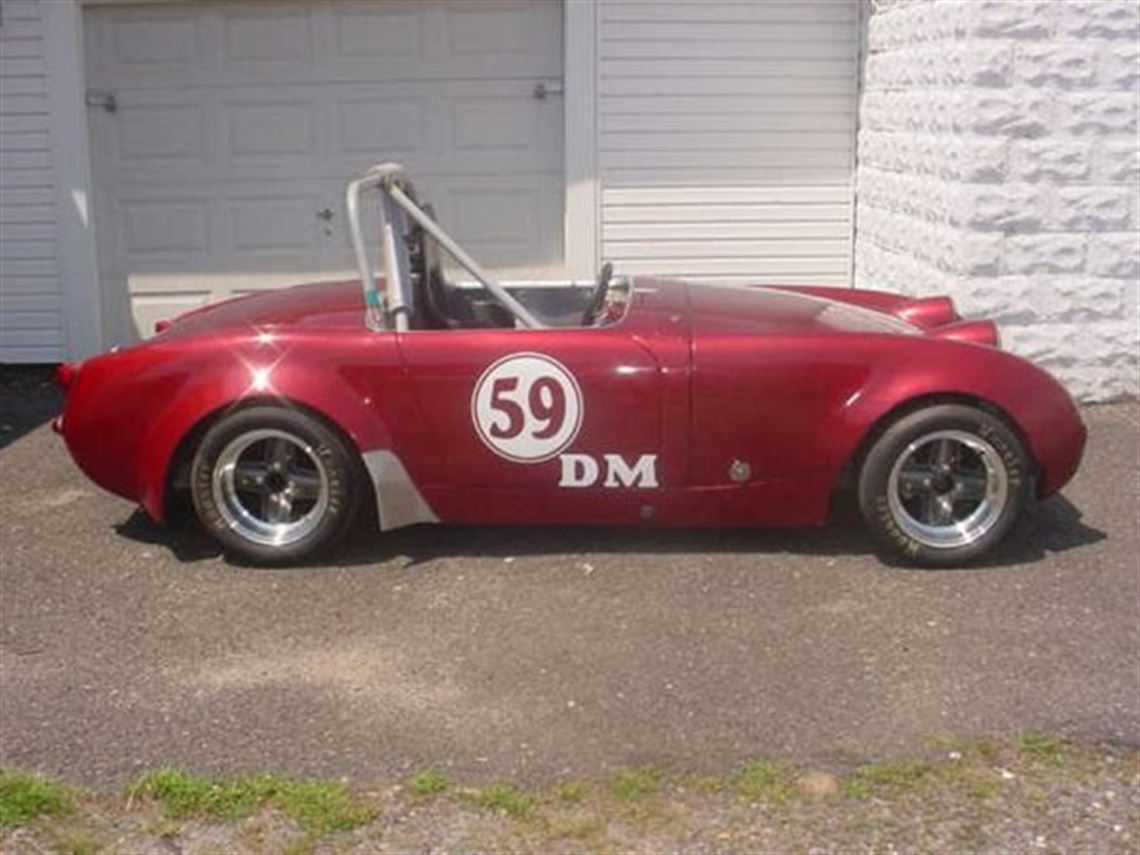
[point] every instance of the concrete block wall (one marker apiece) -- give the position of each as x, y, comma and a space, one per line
999, 162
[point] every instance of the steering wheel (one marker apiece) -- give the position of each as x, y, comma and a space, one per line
598, 299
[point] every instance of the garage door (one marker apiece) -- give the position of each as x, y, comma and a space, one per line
223, 134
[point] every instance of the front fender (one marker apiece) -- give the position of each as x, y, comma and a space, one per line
1039, 407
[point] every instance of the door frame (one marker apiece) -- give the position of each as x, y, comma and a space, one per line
71, 177
71, 148
581, 187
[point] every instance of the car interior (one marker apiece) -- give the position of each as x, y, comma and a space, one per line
438, 303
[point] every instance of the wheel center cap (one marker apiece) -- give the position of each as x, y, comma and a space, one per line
275, 482
942, 483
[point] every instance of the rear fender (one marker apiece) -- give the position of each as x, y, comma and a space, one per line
325, 393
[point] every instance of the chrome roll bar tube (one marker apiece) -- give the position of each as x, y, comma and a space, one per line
375, 306
391, 310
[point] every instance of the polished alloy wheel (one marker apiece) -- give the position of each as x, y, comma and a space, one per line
948, 488
270, 487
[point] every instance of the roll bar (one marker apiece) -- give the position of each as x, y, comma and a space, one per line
390, 310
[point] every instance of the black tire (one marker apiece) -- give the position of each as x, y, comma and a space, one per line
927, 489
321, 460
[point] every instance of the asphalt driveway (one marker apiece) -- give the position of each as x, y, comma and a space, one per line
532, 653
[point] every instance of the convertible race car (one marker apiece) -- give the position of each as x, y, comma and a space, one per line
634, 400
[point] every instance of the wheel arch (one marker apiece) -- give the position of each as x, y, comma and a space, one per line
849, 470
175, 439
176, 476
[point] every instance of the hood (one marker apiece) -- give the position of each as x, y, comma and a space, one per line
319, 306
780, 311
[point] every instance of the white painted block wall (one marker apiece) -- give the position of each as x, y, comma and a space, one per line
999, 162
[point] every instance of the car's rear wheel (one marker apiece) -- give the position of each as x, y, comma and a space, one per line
273, 484
944, 484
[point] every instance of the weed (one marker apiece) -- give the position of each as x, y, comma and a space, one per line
705, 783
305, 845
590, 828
504, 797
970, 775
166, 829
633, 784
72, 842
983, 787
967, 746
1043, 746
764, 781
322, 805
571, 792
185, 795
23, 797
428, 783
315, 805
894, 778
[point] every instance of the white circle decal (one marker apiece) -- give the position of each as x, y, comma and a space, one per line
527, 407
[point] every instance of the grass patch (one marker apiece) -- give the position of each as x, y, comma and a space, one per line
322, 806
23, 797
1043, 747
315, 805
983, 786
764, 781
184, 795
633, 784
167, 829
969, 747
595, 814
706, 784
73, 842
428, 783
588, 829
306, 845
888, 779
502, 797
571, 792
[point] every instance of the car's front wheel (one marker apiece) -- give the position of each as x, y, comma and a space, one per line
944, 484
274, 484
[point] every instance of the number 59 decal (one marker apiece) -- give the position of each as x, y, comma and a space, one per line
527, 407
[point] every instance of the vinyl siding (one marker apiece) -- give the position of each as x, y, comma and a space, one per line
31, 302
726, 135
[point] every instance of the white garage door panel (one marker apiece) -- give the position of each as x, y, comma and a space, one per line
728, 11
329, 131
199, 237
211, 45
238, 125
726, 138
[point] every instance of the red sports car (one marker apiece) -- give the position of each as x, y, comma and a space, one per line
632, 401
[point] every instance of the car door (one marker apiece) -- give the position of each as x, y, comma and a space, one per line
551, 425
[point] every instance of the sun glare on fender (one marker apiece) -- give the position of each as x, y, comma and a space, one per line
259, 381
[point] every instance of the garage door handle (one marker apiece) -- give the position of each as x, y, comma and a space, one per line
102, 98
326, 215
547, 87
